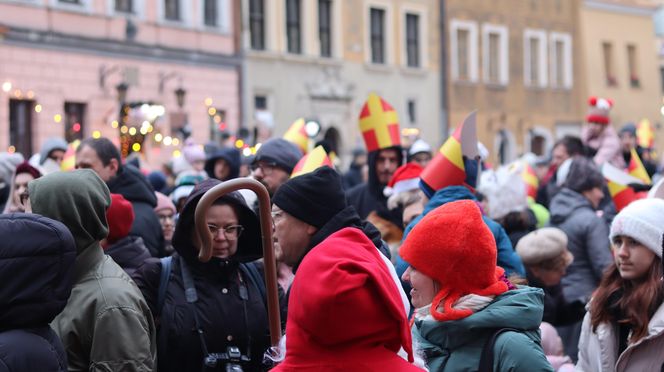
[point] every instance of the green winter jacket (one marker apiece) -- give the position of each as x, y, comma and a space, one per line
457, 345
106, 325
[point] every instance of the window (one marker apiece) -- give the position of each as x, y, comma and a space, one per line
293, 34
661, 73
325, 27
534, 59
495, 52
561, 60
377, 28
634, 81
74, 121
257, 24
124, 6
412, 112
210, 13
607, 50
20, 125
413, 40
70, 1
260, 102
172, 10
464, 50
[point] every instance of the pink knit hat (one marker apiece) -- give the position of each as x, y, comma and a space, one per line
163, 202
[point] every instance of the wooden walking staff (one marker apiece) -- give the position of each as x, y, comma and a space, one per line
266, 233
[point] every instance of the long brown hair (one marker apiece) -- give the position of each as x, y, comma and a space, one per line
637, 300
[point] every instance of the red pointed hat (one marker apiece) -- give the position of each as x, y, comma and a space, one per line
447, 167
379, 124
454, 246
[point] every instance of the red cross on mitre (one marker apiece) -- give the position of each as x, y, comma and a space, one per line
379, 124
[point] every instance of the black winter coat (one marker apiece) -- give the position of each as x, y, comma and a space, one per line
128, 252
130, 183
225, 318
36, 272
557, 311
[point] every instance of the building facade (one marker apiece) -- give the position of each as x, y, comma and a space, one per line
517, 63
620, 62
320, 59
149, 69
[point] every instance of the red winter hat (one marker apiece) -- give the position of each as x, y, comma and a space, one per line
599, 110
120, 217
454, 246
405, 178
345, 311
25, 167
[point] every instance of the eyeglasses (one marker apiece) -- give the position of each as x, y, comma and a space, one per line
265, 167
231, 232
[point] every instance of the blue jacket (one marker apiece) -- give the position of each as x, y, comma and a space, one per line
507, 257
456, 345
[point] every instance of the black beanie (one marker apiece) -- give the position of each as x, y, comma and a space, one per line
583, 175
283, 153
313, 198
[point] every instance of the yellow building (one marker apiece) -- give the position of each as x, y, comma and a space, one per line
516, 62
620, 59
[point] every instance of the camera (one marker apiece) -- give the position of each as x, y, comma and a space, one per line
232, 359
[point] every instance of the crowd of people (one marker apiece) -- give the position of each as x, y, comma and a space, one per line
413, 259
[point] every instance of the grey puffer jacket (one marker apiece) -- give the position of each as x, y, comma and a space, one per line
588, 236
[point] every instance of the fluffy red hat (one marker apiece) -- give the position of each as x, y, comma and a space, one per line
120, 217
405, 178
454, 246
599, 110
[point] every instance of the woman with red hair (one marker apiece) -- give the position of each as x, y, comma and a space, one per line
468, 315
624, 327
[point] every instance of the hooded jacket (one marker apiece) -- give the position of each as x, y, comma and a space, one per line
232, 158
368, 197
220, 307
598, 350
588, 241
36, 269
130, 183
128, 252
507, 257
605, 147
106, 324
457, 345
346, 313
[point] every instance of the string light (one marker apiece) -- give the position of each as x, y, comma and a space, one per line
6, 86
57, 118
18, 93
96, 134
136, 147
208, 101
212, 111
246, 152
239, 144
124, 129
114, 124
158, 137
132, 131
38, 108
144, 130
30, 94
176, 141
168, 140
177, 154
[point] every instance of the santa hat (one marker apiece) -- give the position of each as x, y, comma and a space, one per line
120, 216
453, 246
405, 178
599, 110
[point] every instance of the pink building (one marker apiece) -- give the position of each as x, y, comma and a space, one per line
62, 61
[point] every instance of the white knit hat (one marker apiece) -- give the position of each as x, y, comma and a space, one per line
643, 221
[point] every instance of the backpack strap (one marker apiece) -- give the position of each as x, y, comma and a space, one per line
251, 272
166, 266
486, 360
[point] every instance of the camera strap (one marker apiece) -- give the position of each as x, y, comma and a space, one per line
191, 296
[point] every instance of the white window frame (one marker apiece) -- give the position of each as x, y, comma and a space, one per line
389, 31
471, 27
568, 75
84, 7
423, 27
186, 20
503, 53
224, 18
139, 10
543, 78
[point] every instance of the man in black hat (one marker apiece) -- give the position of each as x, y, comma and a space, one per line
274, 163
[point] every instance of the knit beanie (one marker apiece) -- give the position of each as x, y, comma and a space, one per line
25, 167
643, 221
281, 152
599, 110
542, 245
8, 163
313, 198
628, 128
583, 175
453, 246
158, 180
120, 217
193, 152
164, 202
